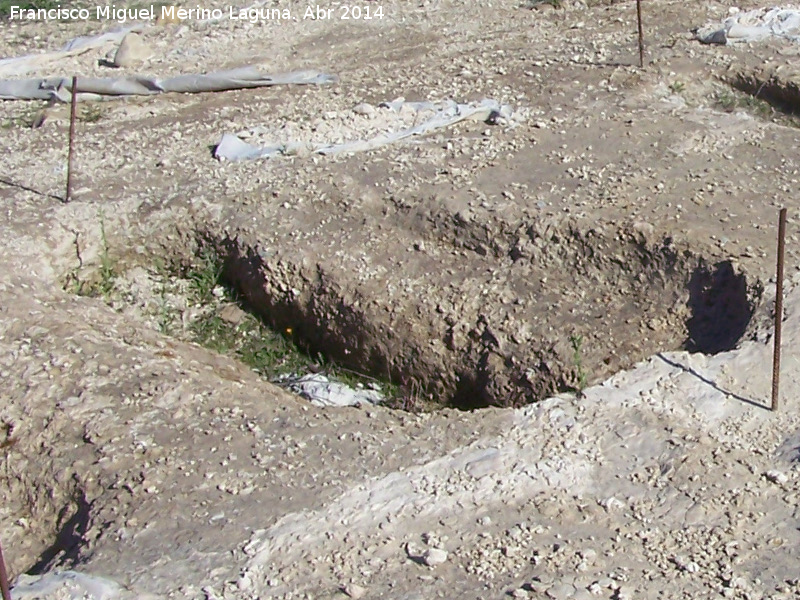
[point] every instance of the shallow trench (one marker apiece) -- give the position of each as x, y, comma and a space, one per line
555, 310
779, 90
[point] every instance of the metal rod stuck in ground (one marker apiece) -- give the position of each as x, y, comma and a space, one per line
641, 32
4, 577
68, 197
776, 355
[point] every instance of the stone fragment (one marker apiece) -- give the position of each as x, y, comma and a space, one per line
355, 591
232, 314
561, 591
433, 557
364, 109
776, 477
132, 51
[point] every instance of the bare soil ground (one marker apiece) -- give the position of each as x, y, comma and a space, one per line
631, 209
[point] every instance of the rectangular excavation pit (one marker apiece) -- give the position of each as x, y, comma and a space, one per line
622, 295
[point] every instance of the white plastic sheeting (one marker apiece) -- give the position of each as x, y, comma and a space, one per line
321, 391
754, 26
232, 147
20, 65
59, 88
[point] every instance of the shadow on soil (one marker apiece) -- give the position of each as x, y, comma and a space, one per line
721, 309
712, 383
69, 539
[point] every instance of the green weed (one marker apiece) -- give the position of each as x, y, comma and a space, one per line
732, 100
576, 341
25, 119
91, 113
263, 350
238, 333
553, 3
102, 284
107, 272
677, 87
166, 315
205, 275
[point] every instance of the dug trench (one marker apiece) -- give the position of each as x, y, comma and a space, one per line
546, 309
776, 88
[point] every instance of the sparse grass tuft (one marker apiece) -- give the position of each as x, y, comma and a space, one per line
269, 353
167, 315
576, 341
91, 113
102, 284
32, 115
553, 3
25, 119
265, 351
731, 100
107, 271
205, 275
410, 398
194, 302
677, 87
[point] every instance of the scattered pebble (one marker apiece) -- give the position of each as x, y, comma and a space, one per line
433, 557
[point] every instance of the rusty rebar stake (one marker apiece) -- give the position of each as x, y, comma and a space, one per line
776, 355
68, 197
4, 577
641, 33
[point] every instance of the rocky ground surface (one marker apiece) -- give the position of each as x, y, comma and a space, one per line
628, 212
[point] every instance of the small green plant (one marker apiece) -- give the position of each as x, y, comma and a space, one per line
576, 341
553, 3
25, 119
265, 351
729, 100
205, 275
732, 100
210, 331
409, 397
677, 87
107, 271
269, 353
73, 283
103, 283
756, 106
166, 315
90, 114
218, 319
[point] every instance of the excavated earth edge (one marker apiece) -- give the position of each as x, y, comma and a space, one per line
778, 85
512, 346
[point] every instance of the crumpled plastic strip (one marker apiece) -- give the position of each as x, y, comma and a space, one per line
59, 88
753, 26
321, 391
20, 65
233, 148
